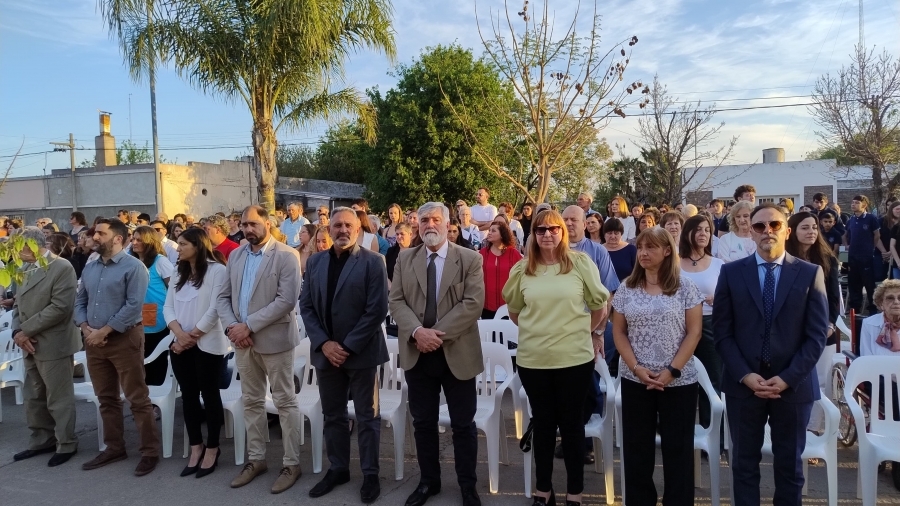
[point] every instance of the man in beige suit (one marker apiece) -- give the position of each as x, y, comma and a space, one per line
436, 299
43, 327
257, 308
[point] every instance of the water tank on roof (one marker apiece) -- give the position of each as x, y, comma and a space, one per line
773, 155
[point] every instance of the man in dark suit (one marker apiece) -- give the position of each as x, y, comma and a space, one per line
343, 304
436, 299
770, 319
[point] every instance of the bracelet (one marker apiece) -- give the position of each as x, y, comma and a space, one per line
634, 369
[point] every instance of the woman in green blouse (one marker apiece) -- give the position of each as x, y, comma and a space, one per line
546, 295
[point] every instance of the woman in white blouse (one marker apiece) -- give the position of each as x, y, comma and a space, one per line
738, 243
199, 346
618, 208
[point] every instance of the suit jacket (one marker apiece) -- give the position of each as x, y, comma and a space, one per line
271, 314
799, 326
45, 310
357, 311
459, 304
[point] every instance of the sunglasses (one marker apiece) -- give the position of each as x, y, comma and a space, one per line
159, 229
554, 230
761, 226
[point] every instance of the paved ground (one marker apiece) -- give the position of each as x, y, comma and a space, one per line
32, 483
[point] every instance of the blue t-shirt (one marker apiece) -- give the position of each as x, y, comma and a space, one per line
833, 236
861, 230
623, 261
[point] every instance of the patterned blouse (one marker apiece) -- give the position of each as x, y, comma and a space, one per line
656, 327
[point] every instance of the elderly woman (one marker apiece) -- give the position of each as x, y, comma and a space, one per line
657, 324
673, 221
547, 294
403, 238
738, 243
622, 254
499, 256
881, 332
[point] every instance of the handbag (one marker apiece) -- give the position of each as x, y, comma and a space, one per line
527, 437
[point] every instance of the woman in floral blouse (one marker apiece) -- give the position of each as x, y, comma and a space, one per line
657, 324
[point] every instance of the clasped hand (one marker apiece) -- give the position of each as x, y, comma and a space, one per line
25, 342
428, 340
239, 334
765, 388
335, 353
185, 340
654, 380
93, 337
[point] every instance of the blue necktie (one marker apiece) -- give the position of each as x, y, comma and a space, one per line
768, 307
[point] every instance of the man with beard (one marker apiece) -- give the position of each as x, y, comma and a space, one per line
257, 309
436, 298
343, 304
108, 309
770, 319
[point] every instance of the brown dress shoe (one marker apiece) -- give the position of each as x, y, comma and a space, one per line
146, 466
251, 470
289, 475
105, 458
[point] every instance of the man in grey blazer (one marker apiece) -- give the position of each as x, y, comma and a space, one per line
436, 299
257, 308
42, 326
343, 305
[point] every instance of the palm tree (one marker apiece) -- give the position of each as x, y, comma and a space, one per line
283, 58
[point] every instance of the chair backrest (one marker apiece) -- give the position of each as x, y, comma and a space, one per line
498, 370
608, 386
716, 406
502, 313
160, 348
501, 332
8, 349
310, 380
6, 320
392, 374
883, 374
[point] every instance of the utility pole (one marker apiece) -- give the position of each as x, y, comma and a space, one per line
70, 146
152, 74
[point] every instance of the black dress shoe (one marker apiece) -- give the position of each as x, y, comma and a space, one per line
421, 494
206, 471
549, 501
370, 490
27, 454
470, 497
331, 480
189, 470
60, 458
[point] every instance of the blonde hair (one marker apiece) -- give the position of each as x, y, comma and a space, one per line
669, 275
561, 252
888, 284
742, 204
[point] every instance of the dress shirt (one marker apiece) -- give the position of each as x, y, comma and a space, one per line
761, 268
251, 266
291, 229
171, 248
112, 293
600, 257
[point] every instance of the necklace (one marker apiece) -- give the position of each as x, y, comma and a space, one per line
697, 260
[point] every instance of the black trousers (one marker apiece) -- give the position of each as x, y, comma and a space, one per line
198, 373
155, 372
861, 275
336, 386
675, 407
708, 356
557, 398
424, 383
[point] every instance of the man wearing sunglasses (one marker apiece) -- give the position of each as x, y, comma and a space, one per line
170, 246
770, 319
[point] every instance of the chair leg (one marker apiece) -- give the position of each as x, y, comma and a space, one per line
317, 426
229, 425
399, 426
240, 435
714, 482
20, 399
302, 430
805, 490
832, 481
868, 478
527, 460
168, 428
493, 454
698, 479
504, 446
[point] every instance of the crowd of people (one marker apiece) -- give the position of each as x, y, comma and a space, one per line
750, 290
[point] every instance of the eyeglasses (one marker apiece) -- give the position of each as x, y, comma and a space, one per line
890, 299
760, 226
554, 230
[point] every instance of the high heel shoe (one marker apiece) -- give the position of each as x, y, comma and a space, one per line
189, 470
540, 501
206, 471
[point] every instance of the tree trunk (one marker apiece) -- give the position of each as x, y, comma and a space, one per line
543, 188
878, 195
264, 144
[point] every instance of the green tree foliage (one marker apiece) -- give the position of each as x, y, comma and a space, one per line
284, 60
838, 153
128, 153
344, 155
422, 153
296, 161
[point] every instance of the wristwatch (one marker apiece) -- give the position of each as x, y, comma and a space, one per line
676, 373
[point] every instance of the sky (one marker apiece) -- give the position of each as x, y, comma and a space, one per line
58, 67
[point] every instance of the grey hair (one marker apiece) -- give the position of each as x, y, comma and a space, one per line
543, 206
375, 220
219, 222
430, 207
36, 234
297, 204
344, 209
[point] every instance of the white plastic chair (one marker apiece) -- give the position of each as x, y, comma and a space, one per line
6, 320
504, 332
502, 313
488, 416
705, 439
599, 427
12, 367
392, 397
882, 439
163, 396
310, 405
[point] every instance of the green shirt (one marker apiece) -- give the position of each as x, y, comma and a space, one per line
554, 326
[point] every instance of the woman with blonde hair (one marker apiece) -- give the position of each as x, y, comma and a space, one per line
618, 208
656, 326
547, 293
738, 243
307, 244
394, 218
322, 239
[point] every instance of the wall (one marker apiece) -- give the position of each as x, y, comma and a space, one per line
203, 189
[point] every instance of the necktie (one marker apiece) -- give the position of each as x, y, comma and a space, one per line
768, 307
431, 296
